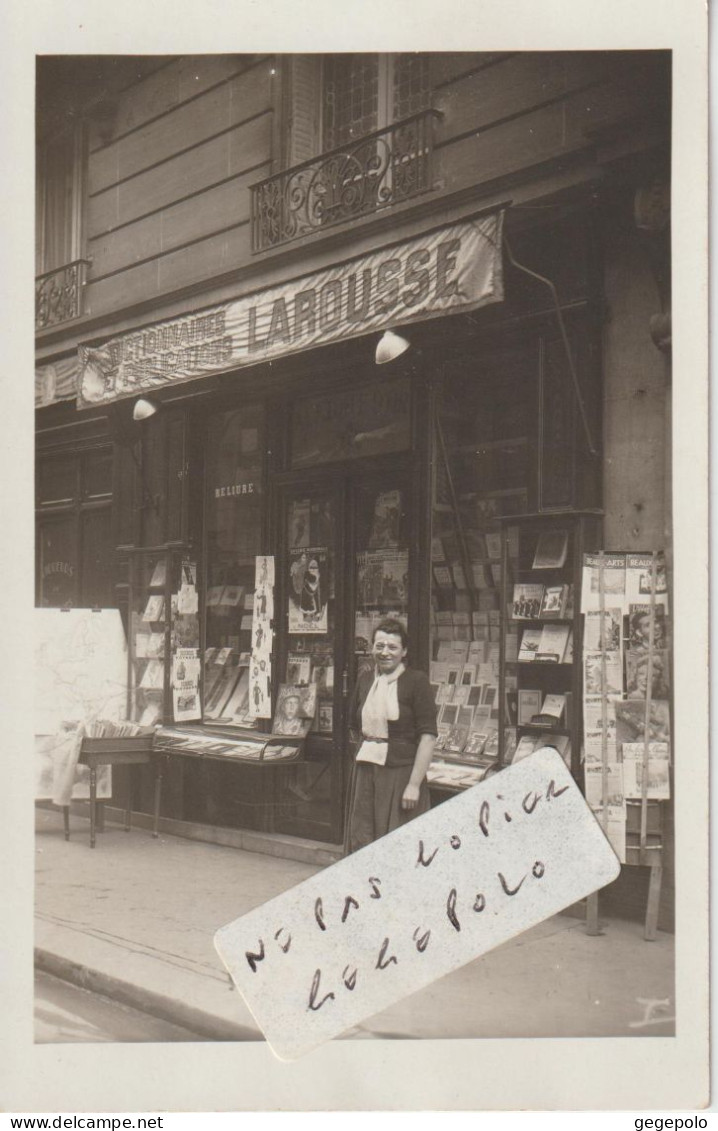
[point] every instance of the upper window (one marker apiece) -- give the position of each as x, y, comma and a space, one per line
363, 93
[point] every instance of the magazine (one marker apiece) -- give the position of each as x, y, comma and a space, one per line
529, 704
530, 640
639, 625
610, 638
630, 721
658, 770
614, 581
637, 664
555, 602
593, 681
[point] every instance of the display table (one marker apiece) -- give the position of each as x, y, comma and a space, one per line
132, 751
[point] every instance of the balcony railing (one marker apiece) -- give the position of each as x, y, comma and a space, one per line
58, 294
378, 170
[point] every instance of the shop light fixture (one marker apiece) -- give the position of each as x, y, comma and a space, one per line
389, 347
143, 409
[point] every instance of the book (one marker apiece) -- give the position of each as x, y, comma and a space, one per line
448, 714
475, 742
159, 575
442, 574
551, 550
527, 600
552, 711
560, 742
530, 640
437, 550
456, 739
493, 544
299, 667
529, 704
525, 746
154, 609
552, 642
554, 602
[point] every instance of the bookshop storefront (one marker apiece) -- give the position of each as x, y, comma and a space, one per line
287, 487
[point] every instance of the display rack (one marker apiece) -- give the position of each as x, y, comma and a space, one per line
158, 626
541, 632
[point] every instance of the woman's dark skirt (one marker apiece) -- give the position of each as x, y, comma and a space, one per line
376, 802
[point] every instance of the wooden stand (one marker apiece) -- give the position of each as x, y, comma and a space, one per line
133, 751
651, 856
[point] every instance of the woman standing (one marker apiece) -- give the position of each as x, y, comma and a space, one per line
393, 711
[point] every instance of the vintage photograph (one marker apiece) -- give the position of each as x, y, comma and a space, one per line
268, 287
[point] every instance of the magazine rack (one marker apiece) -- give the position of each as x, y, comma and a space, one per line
524, 567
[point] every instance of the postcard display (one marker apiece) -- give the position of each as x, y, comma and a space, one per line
164, 657
627, 750
466, 630
540, 660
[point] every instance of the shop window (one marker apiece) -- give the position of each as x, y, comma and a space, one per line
233, 513
484, 452
74, 512
368, 421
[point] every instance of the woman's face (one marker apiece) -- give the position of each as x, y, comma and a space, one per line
388, 651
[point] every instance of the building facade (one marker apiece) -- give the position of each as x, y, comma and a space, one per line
230, 237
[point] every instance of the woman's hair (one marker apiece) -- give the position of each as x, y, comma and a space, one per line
394, 628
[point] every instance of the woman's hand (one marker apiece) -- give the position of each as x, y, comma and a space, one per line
410, 797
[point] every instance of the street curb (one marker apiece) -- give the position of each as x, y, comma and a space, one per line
203, 1024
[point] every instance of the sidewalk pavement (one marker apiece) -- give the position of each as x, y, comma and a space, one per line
134, 919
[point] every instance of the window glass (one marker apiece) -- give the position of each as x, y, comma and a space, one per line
234, 485
97, 473
97, 559
411, 84
57, 479
483, 443
58, 562
366, 421
351, 97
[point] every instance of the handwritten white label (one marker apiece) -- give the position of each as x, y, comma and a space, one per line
431, 896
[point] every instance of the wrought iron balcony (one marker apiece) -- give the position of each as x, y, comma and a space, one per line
58, 294
378, 170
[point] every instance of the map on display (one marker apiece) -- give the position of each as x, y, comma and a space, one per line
80, 676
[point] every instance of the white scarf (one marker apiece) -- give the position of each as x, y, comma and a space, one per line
380, 707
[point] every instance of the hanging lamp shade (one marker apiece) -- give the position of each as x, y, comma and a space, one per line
143, 409
390, 346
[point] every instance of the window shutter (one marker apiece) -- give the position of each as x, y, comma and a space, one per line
303, 102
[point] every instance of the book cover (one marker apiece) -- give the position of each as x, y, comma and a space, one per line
475, 742
527, 600
553, 641
560, 742
552, 711
493, 544
553, 605
442, 573
456, 739
154, 609
530, 640
159, 575
448, 714
525, 746
299, 667
529, 704
551, 550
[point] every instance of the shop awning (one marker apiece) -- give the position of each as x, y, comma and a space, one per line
452, 269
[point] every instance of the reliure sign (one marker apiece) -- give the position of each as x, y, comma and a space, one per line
452, 269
